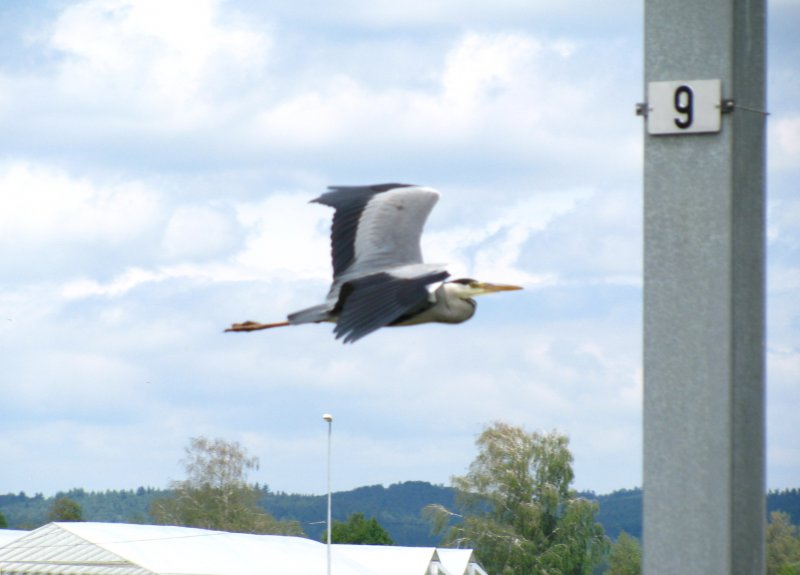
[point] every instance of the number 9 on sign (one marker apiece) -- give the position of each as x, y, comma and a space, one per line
684, 107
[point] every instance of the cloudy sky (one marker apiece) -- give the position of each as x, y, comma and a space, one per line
156, 163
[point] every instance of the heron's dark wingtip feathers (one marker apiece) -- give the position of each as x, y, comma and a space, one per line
375, 188
338, 196
351, 336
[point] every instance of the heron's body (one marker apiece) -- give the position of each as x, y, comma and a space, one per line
379, 277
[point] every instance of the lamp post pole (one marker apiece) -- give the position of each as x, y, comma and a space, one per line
329, 418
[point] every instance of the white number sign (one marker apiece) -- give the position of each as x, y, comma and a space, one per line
684, 107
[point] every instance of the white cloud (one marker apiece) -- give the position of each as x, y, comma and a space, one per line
425, 15
200, 232
56, 225
784, 142
120, 285
492, 248
90, 382
599, 241
481, 66
485, 80
279, 238
207, 91
143, 57
41, 204
316, 118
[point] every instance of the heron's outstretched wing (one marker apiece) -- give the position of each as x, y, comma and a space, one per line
376, 228
374, 301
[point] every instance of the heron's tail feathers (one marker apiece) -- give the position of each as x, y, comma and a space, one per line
317, 313
255, 326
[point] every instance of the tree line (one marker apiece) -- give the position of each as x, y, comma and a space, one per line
397, 507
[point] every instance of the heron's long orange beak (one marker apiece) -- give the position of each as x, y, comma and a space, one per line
486, 287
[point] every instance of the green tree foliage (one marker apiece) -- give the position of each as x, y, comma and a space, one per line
3, 522
625, 557
518, 511
358, 530
783, 546
65, 509
215, 493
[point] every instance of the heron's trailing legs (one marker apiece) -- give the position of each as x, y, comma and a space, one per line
255, 326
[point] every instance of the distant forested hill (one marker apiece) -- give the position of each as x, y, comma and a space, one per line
397, 508
24, 512
620, 511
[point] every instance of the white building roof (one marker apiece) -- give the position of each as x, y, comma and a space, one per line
461, 561
122, 549
8, 535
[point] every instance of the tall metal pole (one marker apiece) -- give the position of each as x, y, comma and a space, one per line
704, 423
329, 418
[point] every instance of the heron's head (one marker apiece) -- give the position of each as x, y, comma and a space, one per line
466, 288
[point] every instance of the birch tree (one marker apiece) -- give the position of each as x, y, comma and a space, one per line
215, 493
517, 509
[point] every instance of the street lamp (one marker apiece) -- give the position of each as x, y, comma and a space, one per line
329, 418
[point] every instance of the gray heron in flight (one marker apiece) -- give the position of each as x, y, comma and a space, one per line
379, 278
